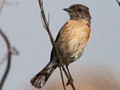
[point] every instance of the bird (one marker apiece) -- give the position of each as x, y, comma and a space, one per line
70, 41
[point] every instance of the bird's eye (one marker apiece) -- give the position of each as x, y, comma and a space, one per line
79, 10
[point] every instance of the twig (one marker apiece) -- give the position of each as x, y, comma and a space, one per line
45, 23
2, 2
14, 51
8, 59
46, 26
118, 2
62, 78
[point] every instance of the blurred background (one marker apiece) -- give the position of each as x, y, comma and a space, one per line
97, 69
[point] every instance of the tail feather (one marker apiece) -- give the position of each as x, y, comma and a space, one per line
41, 78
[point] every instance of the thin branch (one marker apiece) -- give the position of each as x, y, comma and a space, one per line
2, 2
46, 26
118, 2
8, 59
45, 23
62, 78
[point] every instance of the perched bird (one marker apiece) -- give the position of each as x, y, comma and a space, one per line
71, 41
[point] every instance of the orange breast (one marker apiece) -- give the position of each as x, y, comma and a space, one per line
73, 37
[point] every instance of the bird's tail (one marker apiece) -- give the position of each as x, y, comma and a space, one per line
41, 78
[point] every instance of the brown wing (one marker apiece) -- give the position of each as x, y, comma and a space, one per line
52, 52
72, 39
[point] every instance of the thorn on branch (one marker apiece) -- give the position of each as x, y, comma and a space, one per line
14, 51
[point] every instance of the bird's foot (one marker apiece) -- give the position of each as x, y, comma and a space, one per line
70, 81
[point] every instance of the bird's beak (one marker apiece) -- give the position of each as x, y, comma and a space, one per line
67, 9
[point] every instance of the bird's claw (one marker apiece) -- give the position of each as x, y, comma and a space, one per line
70, 81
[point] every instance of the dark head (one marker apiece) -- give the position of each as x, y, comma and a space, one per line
78, 12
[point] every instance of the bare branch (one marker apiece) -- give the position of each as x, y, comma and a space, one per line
8, 59
2, 2
62, 78
11, 3
46, 26
118, 2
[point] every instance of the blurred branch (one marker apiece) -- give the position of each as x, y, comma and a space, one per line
118, 2
3, 59
12, 3
14, 51
8, 59
46, 26
62, 78
10, 51
2, 2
